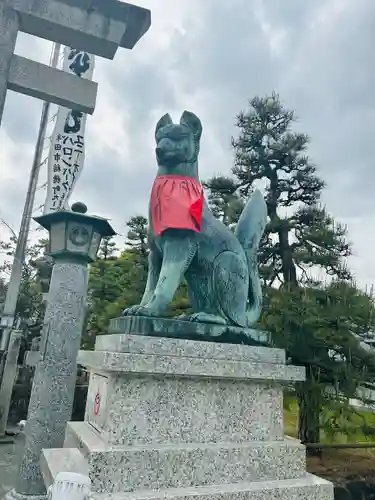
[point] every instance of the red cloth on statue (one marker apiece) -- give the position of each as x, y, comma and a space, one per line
176, 202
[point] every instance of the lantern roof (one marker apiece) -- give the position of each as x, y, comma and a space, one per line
77, 214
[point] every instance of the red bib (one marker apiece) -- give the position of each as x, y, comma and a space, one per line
176, 203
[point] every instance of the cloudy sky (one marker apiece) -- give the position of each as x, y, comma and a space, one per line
210, 57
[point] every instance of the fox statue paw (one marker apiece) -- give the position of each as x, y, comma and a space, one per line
202, 317
139, 310
130, 311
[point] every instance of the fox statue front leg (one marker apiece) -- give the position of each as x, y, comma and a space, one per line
177, 255
154, 266
176, 260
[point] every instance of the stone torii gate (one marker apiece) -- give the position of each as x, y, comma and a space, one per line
95, 26
98, 27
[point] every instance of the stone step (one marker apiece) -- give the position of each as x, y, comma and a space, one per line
128, 468
155, 346
307, 488
184, 366
55, 460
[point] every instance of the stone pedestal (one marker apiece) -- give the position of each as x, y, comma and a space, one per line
170, 418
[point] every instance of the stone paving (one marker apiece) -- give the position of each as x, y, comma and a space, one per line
8, 465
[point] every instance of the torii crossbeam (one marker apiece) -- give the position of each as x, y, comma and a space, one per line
96, 26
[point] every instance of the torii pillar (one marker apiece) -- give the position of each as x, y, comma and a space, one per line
99, 27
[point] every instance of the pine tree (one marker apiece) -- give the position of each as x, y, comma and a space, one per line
137, 234
224, 199
321, 328
300, 238
30, 307
107, 248
300, 233
120, 285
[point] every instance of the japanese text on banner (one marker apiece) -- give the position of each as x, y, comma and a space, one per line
67, 153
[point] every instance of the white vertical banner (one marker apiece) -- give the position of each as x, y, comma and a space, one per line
67, 152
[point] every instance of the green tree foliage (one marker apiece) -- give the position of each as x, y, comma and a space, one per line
224, 200
115, 283
107, 248
322, 328
300, 234
30, 308
300, 242
137, 234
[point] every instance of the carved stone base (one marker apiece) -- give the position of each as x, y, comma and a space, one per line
179, 419
174, 328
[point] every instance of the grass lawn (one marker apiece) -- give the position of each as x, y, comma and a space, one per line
334, 464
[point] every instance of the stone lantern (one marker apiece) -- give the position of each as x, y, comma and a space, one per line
73, 234
74, 241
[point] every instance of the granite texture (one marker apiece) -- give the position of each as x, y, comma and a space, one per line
52, 394
182, 467
184, 419
308, 488
120, 468
53, 85
166, 391
135, 344
188, 367
99, 30
181, 410
178, 329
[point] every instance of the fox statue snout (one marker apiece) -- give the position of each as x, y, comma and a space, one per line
168, 151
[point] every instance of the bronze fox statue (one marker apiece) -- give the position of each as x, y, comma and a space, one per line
220, 267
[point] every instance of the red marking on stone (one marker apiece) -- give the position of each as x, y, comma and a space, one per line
97, 404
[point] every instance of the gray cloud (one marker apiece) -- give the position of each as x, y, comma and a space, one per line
22, 117
211, 57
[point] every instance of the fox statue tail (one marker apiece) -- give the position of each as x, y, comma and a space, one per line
249, 231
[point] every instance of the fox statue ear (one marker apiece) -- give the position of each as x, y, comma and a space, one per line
193, 122
164, 121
